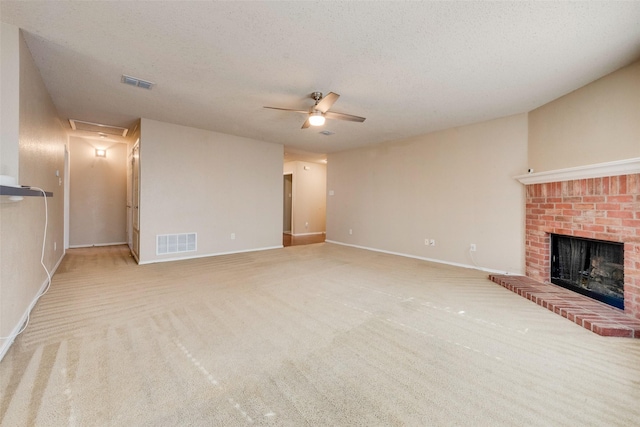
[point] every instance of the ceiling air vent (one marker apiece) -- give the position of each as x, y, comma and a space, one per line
134, 81
98, 128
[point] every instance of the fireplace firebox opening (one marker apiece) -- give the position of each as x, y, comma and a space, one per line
590, 267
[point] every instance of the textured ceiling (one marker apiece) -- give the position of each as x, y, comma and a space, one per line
409, 68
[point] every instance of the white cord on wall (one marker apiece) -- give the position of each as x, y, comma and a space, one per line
44, 241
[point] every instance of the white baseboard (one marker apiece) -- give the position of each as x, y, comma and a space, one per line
97, 245
210, 255
4, 347
439, 261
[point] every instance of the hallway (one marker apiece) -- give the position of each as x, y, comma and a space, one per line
289, 240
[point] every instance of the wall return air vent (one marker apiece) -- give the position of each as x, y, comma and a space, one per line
97, 128
176, 243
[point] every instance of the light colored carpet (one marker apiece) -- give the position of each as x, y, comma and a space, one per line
312, 335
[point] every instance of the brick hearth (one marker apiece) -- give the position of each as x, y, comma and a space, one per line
586, 312
596, 208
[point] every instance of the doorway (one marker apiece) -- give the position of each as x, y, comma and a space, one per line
133, 201
304, 203
287, 197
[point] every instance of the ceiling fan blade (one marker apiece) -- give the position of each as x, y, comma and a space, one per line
326, 102
306, 124
341, 116
288, 109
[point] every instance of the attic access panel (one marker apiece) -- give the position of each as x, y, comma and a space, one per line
97, 128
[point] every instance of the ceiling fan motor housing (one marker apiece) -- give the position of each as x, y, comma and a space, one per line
317, 96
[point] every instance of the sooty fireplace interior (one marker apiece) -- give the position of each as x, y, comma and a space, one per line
590, 267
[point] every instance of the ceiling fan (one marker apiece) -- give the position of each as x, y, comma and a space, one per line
320, 111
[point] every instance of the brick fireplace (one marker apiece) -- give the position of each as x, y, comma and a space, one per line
602, 208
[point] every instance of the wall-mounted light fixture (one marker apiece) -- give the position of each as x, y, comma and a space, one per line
101, 152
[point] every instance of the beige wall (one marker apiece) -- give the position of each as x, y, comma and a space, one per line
9, 99
214, 184
453, 186
41, 153
597, 123
98, 193
309, 197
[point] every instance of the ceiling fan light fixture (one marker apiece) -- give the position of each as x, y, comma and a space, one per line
316, 118
316, 115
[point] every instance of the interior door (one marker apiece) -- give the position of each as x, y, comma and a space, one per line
288, 203
133, 206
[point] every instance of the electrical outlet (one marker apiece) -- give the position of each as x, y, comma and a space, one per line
472, 247
306, 225
350, 231
55, 246
432, 242
426, 242
233, 236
